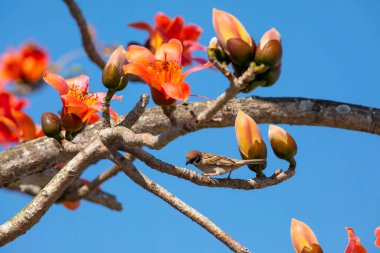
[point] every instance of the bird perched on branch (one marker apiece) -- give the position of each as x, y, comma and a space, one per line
215, 165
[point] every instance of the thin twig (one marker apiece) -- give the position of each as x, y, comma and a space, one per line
201, 180
87, 189
136, 112
87, 43
106, 121
139, 178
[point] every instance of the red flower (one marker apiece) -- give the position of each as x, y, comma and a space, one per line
166, 29
162, 71
377, 234
15, 125
24, 66
354, 245
75, 97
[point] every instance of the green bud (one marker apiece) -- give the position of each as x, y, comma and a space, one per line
283, 144
111, 77
269, 51
215, 51
51, 124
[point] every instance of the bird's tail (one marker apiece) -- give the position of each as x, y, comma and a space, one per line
252, 161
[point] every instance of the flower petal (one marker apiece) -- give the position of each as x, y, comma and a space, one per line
171, 51
75, 106
175, 28
138, 70
81, 82
141, 25
161, 21
247, 132
26, 125
228, 26
191, 32
57, 82
301, 235
377, 234
71, 205
177, 90
140, 55
196, 68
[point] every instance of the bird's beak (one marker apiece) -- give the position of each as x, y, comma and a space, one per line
187, 162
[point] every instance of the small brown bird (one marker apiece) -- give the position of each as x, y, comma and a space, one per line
215, 165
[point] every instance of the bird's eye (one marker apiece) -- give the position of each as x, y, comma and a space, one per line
197, 160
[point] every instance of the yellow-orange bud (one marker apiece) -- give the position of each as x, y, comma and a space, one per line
282, 143
269, 50
303, 238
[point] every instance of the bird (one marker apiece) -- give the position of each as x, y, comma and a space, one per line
215, 165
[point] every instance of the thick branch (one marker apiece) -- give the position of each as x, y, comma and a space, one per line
139, 178
87, 43
36, 155
34, 211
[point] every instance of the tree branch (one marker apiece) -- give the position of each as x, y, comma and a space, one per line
87, 43
34, 211
37, 155
139, 178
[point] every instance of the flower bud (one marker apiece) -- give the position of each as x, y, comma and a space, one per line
51, 124
233, 37
71, 122
282, 143
113, 71
303, 238
269, 51
250, 142
160, 99
215, 51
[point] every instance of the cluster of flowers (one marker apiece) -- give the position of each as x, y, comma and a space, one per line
305, 241
24, 66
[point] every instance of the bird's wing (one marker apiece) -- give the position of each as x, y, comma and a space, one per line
211, 159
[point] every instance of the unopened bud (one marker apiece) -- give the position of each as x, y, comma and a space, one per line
269, 51
282, 143
240, 52
315, 248
113, 71
160, 99
215, 51
71, 122
51, 124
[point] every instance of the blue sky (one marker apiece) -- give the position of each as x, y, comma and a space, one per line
330, 52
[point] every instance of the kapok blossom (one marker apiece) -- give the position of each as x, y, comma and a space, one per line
24, 66
377, 234
162, 71
76, 98
165, 29
15, 125
354, 245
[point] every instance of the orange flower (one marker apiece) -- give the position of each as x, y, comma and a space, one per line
162, 71
354, 245
75, 97
377, 234
166, 29
15, 125
303, 238
24, 66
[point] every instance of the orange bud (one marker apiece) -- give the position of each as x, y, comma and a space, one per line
233, 37
250, 142
269, 51
282, 143
303, 238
